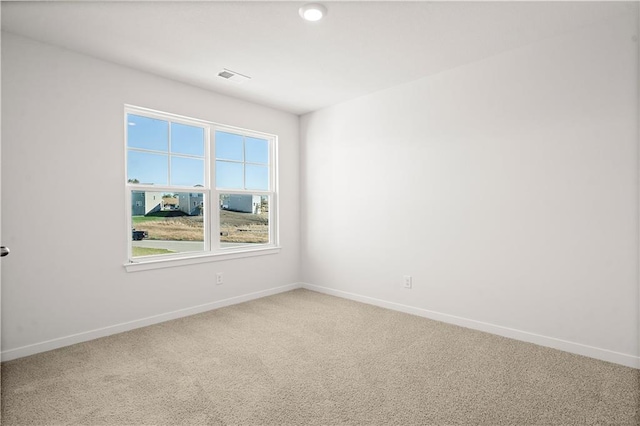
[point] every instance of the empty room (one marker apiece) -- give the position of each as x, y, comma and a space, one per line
300, 213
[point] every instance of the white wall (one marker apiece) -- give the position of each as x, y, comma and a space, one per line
62, 140
508, 189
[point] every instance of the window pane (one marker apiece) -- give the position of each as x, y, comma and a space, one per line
244, 220
187, 139
229, 175
166, 223
187, 171
257, 150
143, 167
229, 146
257, 177
147, 133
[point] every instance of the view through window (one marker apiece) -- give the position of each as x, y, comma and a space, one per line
197, 187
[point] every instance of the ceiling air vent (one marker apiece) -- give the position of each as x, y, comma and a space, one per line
236, 77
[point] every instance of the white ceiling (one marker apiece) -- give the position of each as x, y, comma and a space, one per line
296, 66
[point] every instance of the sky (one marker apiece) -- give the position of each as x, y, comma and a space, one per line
164, 153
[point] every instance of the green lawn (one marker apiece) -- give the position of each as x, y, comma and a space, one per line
148, 251
142, 219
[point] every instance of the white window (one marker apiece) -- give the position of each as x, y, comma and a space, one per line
197, 189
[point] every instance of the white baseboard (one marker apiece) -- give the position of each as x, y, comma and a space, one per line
551, 342
143, 322
572, 347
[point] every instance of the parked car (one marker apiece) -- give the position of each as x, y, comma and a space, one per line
138, 235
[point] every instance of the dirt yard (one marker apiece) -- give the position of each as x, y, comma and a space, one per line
235, 227
186, 228
243, 227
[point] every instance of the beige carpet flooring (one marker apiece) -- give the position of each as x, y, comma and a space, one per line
303, 358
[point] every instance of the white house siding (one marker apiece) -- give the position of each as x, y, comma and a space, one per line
152, 202
245, 203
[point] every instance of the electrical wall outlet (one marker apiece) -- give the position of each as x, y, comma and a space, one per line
219, 278
406, 280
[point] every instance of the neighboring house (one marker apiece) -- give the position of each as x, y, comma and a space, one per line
152, 202
190, 203
137, 203
245, 203
143, 203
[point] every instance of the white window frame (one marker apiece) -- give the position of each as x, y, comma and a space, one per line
211, 220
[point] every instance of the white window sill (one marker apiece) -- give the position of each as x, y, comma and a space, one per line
145, 265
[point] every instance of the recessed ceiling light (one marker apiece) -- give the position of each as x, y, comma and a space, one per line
313, 12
